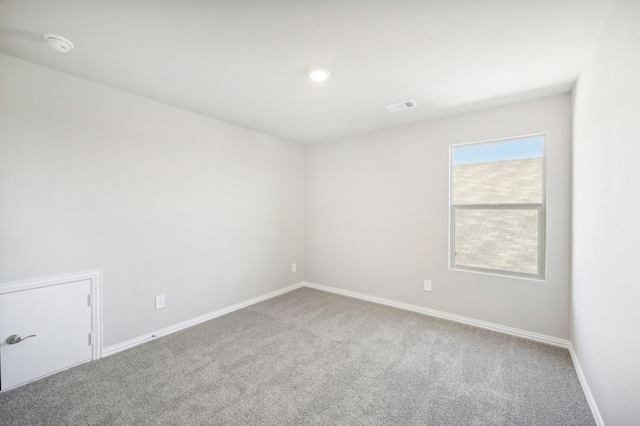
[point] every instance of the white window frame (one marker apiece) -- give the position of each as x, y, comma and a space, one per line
540, 207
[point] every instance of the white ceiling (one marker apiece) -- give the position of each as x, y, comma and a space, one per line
245, 61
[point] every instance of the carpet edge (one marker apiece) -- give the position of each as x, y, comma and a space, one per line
555, 341
128, 344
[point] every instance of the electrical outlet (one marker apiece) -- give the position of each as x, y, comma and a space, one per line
427, 285
294, 267
160, 302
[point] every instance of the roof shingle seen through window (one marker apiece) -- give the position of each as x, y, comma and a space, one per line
498, 182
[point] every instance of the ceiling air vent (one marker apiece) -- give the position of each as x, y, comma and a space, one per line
401, 106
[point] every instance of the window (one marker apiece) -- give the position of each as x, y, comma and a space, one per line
497, 207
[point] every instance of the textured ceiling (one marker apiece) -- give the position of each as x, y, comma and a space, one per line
245, 61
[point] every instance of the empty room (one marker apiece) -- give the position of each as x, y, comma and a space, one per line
288, 212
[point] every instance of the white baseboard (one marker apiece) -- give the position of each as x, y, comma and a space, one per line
444, 315
119, 347
585, 387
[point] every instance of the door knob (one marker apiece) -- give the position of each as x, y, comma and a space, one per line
14, 338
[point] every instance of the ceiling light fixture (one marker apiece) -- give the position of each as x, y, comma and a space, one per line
318, 74
58, 43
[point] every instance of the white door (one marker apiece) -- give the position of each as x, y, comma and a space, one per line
59, 317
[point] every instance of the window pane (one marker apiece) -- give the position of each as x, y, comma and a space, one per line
502, 239
498, 173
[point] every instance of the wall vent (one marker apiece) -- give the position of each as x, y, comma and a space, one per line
400, 106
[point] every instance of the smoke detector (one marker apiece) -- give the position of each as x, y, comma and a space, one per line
400, 106
58, 43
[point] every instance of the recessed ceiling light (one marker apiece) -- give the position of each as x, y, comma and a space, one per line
58, 43
318, 74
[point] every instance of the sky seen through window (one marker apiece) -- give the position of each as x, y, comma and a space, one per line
498, 151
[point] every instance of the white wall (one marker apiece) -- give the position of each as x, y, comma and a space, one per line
378, 220
605, 326
163, 200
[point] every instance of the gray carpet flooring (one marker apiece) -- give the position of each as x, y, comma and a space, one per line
311, 357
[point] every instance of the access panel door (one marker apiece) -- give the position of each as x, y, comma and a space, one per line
59, 319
